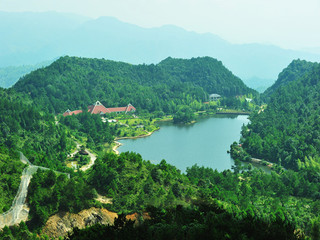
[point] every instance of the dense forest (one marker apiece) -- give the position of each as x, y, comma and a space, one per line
25, 128
202, 221
295, 70
10, 173
241, 203
45, 141
74, 83
287, 131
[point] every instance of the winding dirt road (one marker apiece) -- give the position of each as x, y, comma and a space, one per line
19, 210
91, 155
90, 164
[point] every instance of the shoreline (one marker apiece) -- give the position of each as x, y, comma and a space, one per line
233, 113
118, 144
114, 149
262, 162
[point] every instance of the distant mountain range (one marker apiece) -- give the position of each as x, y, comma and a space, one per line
10, 75
30, 38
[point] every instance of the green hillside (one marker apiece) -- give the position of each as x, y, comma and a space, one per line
22, 128
25, 128
288, 130
295, 70
205, 72
242, 203
74, 83
44, 141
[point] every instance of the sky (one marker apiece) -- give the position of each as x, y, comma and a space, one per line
290, 24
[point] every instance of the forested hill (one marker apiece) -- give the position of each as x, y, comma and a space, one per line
288, 131
205, 72
295, 70
73, 83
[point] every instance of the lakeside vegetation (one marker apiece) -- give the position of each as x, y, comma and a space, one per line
26, 126
245, 203
134, 127
287, 131
283, 202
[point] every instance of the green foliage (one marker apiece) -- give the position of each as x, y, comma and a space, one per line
287, 132
18, 232
73, 83
295, 70
243, 204
48, 194
133, 183
183, 115
203, 221
25, 128
293, 194
81, 159
206, 72
89, 125
10, 172
129, 126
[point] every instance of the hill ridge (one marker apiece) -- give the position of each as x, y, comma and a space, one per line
72, 82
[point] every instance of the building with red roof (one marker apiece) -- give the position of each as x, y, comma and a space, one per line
98, 108
69, 113
126, 109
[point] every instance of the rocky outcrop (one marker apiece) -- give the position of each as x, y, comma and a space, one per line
59, 224
138, 218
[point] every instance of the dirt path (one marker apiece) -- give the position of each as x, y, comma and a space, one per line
90, 164
76, 151
19, 210
91, 155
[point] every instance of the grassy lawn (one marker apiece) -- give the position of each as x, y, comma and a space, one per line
135, 127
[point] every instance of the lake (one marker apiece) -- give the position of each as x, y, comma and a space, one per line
204, 143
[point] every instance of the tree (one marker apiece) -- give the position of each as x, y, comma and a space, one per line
315, 230
184, 115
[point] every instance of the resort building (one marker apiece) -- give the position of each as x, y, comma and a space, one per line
98, 108
69, 113
214, 97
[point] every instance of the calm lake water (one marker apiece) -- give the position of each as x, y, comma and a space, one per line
204, 143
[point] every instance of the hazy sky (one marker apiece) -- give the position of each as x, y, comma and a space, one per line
287, 23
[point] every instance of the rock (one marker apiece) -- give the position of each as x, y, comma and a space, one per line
59, 224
